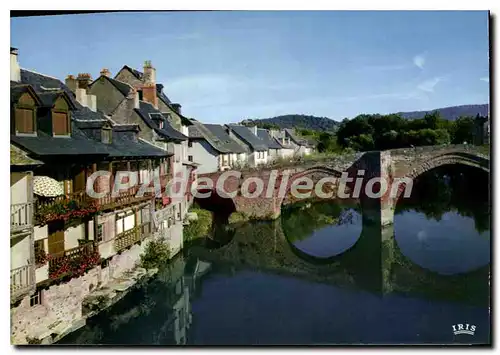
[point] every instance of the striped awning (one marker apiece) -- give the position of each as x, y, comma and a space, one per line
47, 187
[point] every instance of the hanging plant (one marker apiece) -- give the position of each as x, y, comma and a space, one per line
65, 210
41, 257
73, 266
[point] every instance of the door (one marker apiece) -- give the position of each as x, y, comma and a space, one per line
56, 237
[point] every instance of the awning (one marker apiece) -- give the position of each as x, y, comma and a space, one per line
47, 187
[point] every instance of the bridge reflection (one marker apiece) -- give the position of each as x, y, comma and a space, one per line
373, 263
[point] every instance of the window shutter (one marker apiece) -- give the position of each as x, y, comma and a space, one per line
24, 120
60, 123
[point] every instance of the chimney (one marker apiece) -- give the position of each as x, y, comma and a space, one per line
83, 80
92, 102
254, 130
105, 72
177, 108
81, 96
70, 82
15, 69
149, 94
133, 99
149, 73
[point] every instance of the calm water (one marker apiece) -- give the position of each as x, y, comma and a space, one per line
324, 274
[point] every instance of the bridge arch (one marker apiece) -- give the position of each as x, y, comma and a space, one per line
463, 158
316, 173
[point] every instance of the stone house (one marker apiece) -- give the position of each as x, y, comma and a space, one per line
292, 144
275, 149
58, 140
135, 97
214, 147
248, 138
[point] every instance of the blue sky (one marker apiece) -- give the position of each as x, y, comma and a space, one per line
227, 66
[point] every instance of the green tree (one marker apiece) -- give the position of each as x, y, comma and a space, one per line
463, 130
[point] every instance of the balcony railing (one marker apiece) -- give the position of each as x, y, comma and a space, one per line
73, 261
21, 216
22, 281
132, 236
123, 197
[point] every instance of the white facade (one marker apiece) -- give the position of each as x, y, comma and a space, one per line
22, 258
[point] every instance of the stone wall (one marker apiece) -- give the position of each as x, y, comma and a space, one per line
385, 165
61, 305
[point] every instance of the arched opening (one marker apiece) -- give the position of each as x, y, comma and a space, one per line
444, 225
221, 208
322, 230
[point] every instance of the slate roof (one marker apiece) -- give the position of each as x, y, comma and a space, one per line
40, 82
271, 142
124, 142
45, 145
85, 122
145, 108
248, 137
294, 138
48, 98
223, 140
161, 94
17, 89
139, 75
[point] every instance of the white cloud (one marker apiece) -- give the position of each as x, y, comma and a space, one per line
430, 84
419, 60
486, 79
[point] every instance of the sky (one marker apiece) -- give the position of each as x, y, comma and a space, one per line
227, 66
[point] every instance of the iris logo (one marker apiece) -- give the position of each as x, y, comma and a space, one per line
461, 329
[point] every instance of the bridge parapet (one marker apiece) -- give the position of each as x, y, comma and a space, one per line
385, 165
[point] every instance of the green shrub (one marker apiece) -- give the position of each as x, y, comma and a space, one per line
157, 253
237, 217
200, 227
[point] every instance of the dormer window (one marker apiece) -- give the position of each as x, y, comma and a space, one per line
61, 122
106, 135
25, 115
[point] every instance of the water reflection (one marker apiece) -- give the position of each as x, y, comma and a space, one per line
323, 229
444, 226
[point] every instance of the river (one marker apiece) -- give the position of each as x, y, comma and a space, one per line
325, 274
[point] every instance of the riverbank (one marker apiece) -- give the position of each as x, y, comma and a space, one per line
63, 308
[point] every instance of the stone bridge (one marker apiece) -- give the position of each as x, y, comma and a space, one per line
394, 168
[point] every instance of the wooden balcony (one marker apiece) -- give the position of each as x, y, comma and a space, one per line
132, 236
72, 261
80, 201
21, 216
123, 198
22, 281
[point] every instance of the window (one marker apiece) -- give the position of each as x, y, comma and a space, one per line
190, 158
100, 233
140, 94
106, 135
60, 118
125, 221
36, 299
160, 124
25, 120
190, 144
60, 123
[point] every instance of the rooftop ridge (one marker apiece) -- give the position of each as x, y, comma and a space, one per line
35, 72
